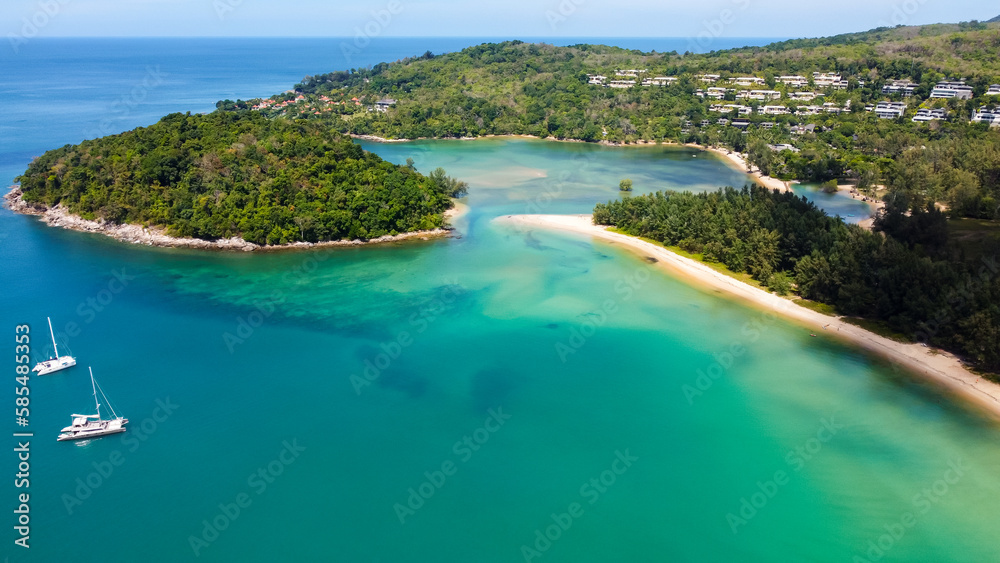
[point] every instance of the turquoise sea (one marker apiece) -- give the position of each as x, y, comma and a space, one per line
499, 395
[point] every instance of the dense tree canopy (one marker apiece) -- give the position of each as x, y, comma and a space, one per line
269, 181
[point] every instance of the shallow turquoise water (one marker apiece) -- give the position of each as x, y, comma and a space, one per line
590, 351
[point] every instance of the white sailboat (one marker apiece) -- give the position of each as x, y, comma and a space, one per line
87, 426
54, 364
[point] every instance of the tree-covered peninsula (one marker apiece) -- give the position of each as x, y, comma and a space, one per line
910, 275
269, 181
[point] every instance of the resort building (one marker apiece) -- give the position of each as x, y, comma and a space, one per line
741, 123
773, 110
924, 114
794, 81
803, 129
762, 95
384, 104
994, 90
987, 115
783, 147
900, 88
747, 81
596, 79
741, 110
957, 90
890, 110
716, 93
829, 80
804, 96
710, 78
659, 81
631, 72
621, 83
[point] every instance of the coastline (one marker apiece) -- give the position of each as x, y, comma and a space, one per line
936, 366
137, 234
738, 161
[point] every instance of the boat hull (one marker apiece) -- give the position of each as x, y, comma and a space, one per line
52, 366
92, 430
89, 435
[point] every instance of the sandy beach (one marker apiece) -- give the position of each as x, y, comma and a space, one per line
937, 366
738, 161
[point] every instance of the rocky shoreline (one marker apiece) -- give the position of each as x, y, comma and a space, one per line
58, 216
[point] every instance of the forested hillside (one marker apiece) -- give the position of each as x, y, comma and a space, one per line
827, 132
269, 181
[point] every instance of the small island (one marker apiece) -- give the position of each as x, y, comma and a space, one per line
234, 181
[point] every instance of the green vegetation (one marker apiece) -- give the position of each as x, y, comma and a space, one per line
269, 181
625, 185
907, 278
542, 90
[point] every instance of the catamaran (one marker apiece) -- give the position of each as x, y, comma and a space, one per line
87, 426
57, 363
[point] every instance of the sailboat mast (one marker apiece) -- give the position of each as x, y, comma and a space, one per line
53, 334
94, 387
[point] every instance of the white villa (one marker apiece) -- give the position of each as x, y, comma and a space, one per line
804, 96
596, 79
957, 90
924, 115
900, 88
987, 115
890, 110
994, 90
762, 95
795, 81
747, 81
773, 110
659, 81
630, 72
829, 80
710, 78
621, 83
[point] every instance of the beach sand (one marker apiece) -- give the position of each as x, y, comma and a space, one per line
738, 161
937, 366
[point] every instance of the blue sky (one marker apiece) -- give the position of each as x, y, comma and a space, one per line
481, 18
